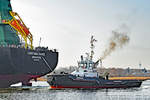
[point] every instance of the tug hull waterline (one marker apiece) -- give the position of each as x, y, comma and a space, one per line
20, 62
71, 81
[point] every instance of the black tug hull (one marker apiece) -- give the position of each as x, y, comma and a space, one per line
21, 65
70, 81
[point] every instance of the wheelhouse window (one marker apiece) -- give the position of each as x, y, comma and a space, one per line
85, 70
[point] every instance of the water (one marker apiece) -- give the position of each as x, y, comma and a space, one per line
41, 91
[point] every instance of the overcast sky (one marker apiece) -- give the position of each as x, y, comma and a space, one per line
67, 25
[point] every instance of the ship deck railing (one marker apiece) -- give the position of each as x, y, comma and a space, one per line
22, 46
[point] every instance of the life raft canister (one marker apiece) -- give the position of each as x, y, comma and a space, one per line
25, 29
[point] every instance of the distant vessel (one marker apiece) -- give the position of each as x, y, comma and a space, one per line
19, 61
86, 76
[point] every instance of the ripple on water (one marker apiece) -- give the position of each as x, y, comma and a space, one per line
44, 93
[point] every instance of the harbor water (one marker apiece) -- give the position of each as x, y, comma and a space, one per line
41, 91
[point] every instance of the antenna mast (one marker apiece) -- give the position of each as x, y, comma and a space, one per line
40, 42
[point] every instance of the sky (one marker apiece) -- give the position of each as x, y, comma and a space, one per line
67, 25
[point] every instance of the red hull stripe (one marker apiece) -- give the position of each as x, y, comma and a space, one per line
19, 76
59, 87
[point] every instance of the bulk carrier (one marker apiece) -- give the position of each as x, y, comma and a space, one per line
19, 60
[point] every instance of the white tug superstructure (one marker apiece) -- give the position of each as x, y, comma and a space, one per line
86, 67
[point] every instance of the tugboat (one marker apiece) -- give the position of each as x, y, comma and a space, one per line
86, 76
19, 60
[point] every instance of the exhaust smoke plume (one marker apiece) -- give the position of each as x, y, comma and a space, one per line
117, 40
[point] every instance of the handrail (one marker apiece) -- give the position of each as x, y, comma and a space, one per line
20, 29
